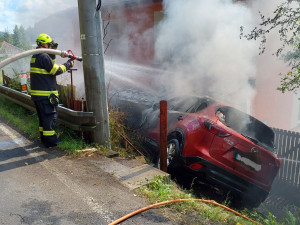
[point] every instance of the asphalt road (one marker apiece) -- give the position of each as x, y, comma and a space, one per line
42, 186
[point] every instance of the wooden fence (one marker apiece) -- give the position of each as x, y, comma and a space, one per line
67, 98
287, 144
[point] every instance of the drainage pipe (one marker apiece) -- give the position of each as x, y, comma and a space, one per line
33, 52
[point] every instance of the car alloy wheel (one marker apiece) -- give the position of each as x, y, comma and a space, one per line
172, 150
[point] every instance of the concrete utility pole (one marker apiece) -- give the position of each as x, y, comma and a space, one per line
93, 68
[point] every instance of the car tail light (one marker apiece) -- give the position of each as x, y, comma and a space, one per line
195, 166
213, 128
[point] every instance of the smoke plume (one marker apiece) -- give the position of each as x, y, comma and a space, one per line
199, 42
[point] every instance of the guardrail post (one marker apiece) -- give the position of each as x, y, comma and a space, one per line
163, 135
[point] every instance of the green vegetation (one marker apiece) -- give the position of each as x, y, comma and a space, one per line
14, 83
19, 117
285, 21
27, 122
188, 212
196, 212
72, 141
18, 38
117, 132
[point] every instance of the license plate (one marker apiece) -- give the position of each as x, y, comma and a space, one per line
247, 162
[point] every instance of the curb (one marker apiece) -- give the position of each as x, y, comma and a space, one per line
130, 177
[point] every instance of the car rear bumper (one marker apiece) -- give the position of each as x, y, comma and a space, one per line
218, 176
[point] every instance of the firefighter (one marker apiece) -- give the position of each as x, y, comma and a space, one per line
43, 72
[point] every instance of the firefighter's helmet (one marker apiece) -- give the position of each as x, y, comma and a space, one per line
45, 39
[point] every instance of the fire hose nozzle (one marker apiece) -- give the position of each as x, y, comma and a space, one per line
70, 54
64, 54
79, 58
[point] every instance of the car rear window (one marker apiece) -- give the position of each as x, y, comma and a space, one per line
249, 127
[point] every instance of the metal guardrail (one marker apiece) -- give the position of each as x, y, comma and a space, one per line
76, 120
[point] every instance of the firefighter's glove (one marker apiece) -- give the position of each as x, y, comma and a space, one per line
53, 98
69, 64
72, 62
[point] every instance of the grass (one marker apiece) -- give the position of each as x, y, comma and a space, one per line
19, 117
27, 122
117, 132
196, 212
188, 212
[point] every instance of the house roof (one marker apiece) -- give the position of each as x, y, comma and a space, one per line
9, 49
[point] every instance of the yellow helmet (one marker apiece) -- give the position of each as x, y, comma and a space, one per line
45, 39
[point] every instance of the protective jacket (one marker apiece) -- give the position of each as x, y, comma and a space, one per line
43, 71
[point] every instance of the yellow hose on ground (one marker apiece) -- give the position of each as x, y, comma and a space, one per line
179, 200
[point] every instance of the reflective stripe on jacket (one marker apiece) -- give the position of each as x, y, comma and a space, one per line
43, 93
52, 72
43, 71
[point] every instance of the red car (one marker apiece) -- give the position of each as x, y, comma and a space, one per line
217, 143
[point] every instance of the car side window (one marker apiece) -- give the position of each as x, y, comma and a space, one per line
202, 106
185, 105
199, 106
177, 104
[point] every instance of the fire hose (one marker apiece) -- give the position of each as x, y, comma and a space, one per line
180, 200
63, 54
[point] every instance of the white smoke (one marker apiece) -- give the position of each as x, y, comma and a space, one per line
30, 11
200, 42
271, 106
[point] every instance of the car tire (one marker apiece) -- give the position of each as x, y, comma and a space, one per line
172, 154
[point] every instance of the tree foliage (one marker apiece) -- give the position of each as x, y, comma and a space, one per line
6, 37
18, 38
286, 21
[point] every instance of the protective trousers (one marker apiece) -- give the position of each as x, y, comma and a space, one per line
47, 114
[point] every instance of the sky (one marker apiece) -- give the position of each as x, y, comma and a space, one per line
27, 12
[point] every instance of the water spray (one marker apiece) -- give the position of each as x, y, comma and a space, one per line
63, 54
